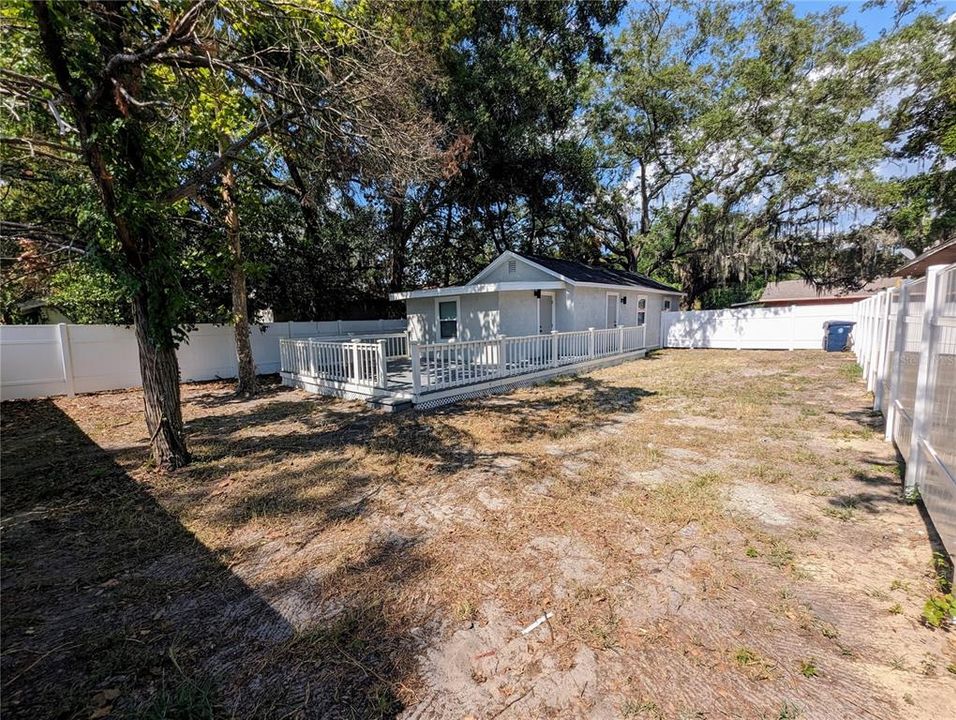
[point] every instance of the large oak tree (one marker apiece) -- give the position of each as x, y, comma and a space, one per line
112, 85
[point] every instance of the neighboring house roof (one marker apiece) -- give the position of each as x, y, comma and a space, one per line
794, 292
940, 254
579, 272
35, 304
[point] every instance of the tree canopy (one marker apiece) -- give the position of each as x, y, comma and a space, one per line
708, 146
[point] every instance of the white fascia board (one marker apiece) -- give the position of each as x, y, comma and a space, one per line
474, 289
628, 288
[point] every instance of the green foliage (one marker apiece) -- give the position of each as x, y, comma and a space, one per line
731, 293
940, 609
88, 295
712, 146
920, 209
731, 132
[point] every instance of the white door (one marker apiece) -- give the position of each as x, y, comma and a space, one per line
545, 314
612, 310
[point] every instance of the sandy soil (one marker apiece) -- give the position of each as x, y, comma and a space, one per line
713, 534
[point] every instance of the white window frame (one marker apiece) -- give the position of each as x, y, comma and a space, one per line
668, 305
617, 310
553, 303
639, 321
438, 301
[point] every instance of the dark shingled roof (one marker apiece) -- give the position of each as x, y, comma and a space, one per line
579, 272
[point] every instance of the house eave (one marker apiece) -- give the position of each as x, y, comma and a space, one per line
642, 289
456, 290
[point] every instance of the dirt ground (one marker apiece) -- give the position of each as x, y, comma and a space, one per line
712, 534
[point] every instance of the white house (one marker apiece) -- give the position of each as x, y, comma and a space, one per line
521, 320
518, 295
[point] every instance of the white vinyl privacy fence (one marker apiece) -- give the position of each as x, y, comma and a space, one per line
905, 341
44, 360
794, 327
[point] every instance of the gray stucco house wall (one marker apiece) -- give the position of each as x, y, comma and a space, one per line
514, 295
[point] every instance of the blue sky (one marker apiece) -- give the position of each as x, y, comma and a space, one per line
872, 20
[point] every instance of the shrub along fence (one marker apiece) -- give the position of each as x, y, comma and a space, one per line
44, 360
905, 342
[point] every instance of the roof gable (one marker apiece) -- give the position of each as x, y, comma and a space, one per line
580, 273
577, 272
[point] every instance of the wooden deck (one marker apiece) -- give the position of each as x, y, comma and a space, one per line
394, 374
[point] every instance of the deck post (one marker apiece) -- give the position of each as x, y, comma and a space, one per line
620, 340
590, 343
923, 400
554, 348
356, 360
502, 363
382, 364
415, 353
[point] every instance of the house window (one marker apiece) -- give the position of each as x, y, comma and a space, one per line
641, 310
447, 319
667, 305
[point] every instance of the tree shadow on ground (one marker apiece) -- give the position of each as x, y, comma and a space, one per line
326, 424
869, 419
303, 449
572, 404
110, 604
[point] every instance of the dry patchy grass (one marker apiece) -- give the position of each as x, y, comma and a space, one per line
728, 516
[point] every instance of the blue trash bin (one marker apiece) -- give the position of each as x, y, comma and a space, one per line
836, 335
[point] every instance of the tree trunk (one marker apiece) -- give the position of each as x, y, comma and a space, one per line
633, 251
158, 364
398, 243
240, 306
159, 369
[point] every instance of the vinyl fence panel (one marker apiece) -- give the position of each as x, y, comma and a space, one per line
44, 360
913, 330
776, 328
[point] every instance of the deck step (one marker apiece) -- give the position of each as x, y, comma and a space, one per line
390, 404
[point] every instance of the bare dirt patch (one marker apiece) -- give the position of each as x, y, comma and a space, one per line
712, 534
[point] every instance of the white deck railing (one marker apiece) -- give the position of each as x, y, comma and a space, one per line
362, 364
438, 366
351, 363
396, 344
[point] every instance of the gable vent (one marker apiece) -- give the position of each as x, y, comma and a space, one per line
512, 267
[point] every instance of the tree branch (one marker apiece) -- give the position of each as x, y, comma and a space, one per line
203, 176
